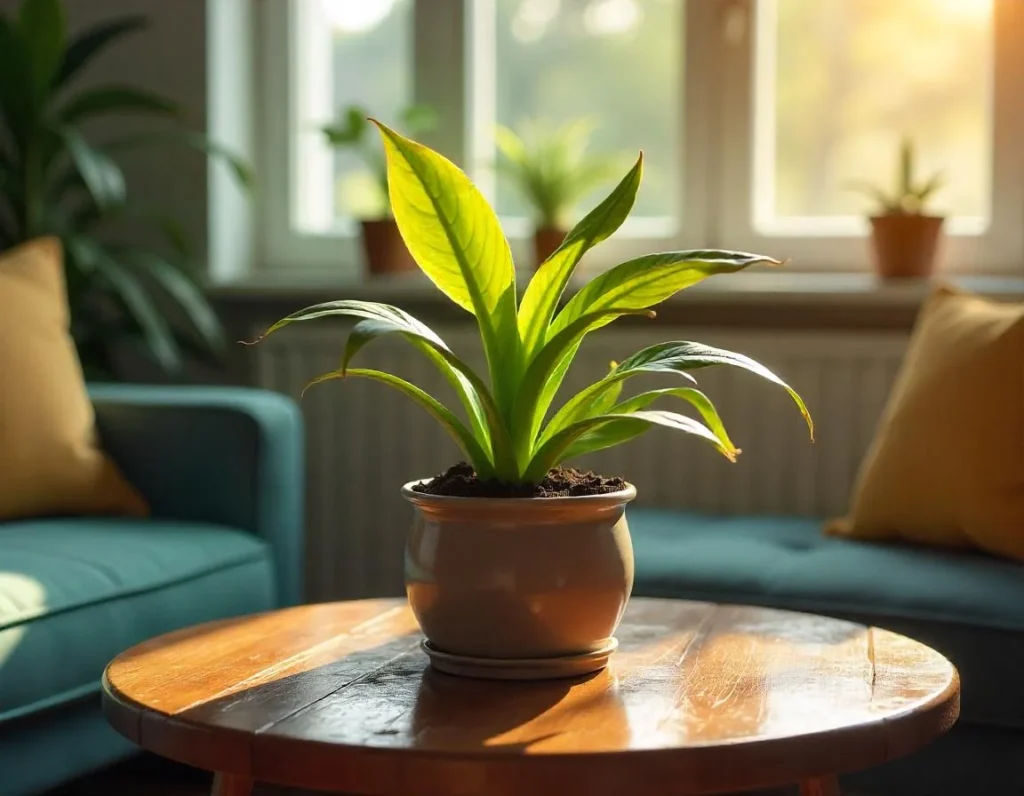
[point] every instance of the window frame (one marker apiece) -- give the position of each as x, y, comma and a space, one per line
999, 249
716, 145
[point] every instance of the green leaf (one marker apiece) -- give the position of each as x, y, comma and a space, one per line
115, 99
351, 128
84, 48
466, 387
100, 174
554, 450
618, 431
646, 281
16, 97
685, 356
548, 283
540, 382
463, 438
130, 293
600, 396
418, 119
393, 320
455, 238
42, 25
188, 295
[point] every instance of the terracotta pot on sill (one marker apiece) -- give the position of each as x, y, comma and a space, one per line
384, 248
545, 241
905, 246
526, 588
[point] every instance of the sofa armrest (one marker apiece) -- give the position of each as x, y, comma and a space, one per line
225, 455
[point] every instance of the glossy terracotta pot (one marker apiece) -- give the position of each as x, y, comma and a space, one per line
905, 245
545, 241
519, 578
384, 248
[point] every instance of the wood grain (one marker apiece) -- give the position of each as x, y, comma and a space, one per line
699, 699
231, 785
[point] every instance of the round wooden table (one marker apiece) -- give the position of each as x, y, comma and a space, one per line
699, 699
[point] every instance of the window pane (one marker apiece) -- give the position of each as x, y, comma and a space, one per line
371, 61
614, 61
840, 82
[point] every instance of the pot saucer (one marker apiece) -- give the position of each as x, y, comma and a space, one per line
520, 668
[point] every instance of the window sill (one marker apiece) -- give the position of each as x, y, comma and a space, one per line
756, 299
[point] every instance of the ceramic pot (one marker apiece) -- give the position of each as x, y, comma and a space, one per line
545, 241
384, 248
905, 245
519, 578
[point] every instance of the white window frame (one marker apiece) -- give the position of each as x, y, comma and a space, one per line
996, 249
716, 146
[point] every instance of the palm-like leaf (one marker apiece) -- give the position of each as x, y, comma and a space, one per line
554, 450
385, 319
462, 436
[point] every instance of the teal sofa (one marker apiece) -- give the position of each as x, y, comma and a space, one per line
223, 472
969, 607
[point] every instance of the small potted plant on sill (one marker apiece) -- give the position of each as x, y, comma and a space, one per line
552, 170
383, 248
904, 238
516, 567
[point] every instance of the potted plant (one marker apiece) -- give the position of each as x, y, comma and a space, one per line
56, 179
904, 238
552, 170
382, 243
516, 567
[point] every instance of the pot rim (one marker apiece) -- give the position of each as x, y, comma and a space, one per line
621, 496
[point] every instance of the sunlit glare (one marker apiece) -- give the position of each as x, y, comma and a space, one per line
27, 595
533, 17
968, 10
356, 16
612, 17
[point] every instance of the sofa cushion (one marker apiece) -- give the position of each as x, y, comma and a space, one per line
968, 606
75, 593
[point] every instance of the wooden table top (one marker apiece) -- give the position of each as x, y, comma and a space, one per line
700, 698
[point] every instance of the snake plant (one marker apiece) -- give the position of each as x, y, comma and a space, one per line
455, 238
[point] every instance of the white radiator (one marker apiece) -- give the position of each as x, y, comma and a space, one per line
364, 439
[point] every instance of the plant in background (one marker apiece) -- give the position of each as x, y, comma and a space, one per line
456, 239
384, 250
909, 196
904, 238
352, 132
552, 169
54, 180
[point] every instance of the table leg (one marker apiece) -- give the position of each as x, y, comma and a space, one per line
820, 786
231, 785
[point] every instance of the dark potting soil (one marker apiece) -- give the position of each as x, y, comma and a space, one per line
461, 480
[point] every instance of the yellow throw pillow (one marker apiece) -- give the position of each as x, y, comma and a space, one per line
947, 463
49, 460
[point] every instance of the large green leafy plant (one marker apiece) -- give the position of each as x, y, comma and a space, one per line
56, 180
456, 239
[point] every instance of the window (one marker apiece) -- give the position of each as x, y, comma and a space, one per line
755, 116
616, 63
